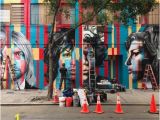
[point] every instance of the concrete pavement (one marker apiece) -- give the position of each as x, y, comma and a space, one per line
38, 97
53, 112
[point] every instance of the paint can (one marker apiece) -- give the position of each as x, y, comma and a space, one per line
69, 101
90, 98
76, 100
62, 101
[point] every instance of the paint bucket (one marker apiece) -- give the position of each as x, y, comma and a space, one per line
76, 100
90, 98
69, 101
62, 101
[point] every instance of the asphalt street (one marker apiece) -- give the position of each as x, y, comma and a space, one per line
54, 112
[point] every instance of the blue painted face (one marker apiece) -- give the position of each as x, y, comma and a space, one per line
68, 57
19, 62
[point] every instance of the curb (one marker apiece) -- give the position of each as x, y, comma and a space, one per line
40, 104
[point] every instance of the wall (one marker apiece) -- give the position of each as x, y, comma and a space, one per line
112, 65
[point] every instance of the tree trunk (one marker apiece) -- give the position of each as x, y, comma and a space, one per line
50, 87
51, 79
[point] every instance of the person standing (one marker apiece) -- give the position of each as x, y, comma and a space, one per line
63, 72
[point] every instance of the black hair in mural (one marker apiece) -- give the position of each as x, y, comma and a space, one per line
58, 47
98, 46
150, 39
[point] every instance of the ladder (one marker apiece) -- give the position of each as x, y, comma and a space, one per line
148, 73
92, 74
11, 71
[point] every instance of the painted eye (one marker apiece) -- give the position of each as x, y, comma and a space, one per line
133, 38
91, 54
136, 53
67, 54
19, 54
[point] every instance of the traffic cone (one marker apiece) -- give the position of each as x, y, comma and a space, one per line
153, 108
55, 98
85, 107
98, 106
118, 106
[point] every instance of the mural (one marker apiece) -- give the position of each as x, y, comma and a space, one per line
2, 49
18, 59
142, 49
93, 54
63, 52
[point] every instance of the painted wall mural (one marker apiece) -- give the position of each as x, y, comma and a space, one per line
142, 49
18, 59
63, 52
94, 52
107, 54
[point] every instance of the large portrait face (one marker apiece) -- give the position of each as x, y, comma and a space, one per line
137, 56
19, 63
88, 59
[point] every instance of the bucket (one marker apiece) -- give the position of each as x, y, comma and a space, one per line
62, 101
90, 98
76, 101
69, 101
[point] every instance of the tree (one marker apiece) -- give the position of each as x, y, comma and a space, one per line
103, 11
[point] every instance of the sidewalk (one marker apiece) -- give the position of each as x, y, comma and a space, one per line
38, 97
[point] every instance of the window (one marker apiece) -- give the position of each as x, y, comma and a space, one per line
17, 13
72, 15
5, 14
69, 16
34, 14
40, 14
154, 16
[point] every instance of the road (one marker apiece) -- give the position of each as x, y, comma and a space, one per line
49, 112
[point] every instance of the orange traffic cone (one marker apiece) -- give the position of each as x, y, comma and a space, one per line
98, 106
55, 98
118, 106
153, 108
85, 107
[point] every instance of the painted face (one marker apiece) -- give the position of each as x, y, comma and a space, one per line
2, 43
2, 40
19, 62
67, 57
88, 59
136, 55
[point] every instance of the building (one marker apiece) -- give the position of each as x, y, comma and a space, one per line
31, 18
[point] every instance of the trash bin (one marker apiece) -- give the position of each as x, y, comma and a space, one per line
69, 101
62, 101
